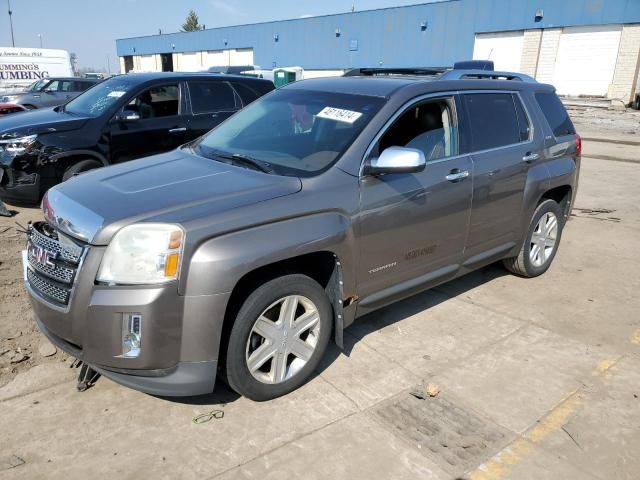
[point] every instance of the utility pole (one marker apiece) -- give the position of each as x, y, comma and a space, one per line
108, 65
13, 42
40, 37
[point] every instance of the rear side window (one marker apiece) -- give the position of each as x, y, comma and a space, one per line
555, 114
211, 97
247, 94
492, 120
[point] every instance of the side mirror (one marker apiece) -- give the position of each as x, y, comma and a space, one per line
129, 116
396, 160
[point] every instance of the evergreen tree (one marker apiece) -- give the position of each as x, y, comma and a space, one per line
191, 23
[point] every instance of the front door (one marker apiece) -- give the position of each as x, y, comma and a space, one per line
159, 127
500, 140
413, 227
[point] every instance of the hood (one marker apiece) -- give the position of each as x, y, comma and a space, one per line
45, 120
94, 206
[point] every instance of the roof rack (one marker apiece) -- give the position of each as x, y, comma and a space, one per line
466, 70
370, 72
485, 74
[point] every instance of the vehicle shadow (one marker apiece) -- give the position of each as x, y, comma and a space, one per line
403, 309
366, 325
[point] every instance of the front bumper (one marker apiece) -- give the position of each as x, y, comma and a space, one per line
19, 187
180, 335
184, 379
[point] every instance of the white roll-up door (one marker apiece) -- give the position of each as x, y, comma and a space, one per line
586, 59
189, 62
147, 63
504, 48
242, 56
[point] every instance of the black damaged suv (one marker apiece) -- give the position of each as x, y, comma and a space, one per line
123, 118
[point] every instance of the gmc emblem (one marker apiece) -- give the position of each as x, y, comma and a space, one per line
42, 256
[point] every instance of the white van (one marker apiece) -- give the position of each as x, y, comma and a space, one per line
20, 67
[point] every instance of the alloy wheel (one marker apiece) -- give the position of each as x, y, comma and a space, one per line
543, 240
283, 339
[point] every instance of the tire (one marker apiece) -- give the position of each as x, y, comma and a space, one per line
80, 167
530, 261
264, 310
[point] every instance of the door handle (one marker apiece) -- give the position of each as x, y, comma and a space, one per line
178, 130
530, 157
457, 175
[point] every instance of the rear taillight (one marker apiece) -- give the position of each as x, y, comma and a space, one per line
578, 145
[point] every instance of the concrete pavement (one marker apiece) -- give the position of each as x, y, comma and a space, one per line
539, 379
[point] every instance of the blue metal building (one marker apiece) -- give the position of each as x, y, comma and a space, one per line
431, 34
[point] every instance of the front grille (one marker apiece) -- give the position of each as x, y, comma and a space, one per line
53, 264
48, 289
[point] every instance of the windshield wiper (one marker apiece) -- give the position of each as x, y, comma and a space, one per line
245, 160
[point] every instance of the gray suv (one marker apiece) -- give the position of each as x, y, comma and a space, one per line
49, 92
247, 250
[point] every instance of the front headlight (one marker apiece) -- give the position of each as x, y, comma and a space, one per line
143, 254
18, 145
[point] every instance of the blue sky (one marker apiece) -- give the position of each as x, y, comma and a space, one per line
89, 27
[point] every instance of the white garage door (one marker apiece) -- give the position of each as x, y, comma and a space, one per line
586, 60
242, 56
189, 62
504, 48
147, 63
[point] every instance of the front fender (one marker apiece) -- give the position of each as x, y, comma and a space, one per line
219, 263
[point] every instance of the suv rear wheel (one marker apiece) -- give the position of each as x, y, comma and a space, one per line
80, 167
279, 337
541, 242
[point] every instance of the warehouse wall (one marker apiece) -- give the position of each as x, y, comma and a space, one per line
389, 37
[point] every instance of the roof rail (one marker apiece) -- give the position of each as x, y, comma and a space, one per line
370, 72
485, 74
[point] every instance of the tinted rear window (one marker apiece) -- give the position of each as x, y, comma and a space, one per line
247, 93
556, 114
211, 96
492, 120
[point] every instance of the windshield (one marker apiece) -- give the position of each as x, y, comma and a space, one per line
298, 132
97, 99
37, 86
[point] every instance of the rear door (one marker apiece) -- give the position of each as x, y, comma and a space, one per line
212, 102
161, 125
500, 138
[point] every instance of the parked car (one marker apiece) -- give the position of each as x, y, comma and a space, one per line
8, 108
50, 92
245, 251
122, 118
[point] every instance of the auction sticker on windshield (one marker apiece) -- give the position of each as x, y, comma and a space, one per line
116, 94
339, 114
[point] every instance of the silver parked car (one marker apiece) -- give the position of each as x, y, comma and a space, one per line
50, 92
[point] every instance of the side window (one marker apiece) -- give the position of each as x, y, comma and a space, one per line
247, 94
156, 102
52, 87
555, 114
428, 126
523, 120
492, 120
65, 86
211, 96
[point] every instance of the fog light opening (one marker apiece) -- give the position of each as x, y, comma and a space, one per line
131, 335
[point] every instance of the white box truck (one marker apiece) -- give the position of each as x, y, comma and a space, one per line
20, 67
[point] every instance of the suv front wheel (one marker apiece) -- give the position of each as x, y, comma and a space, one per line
279, 337
541, 243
